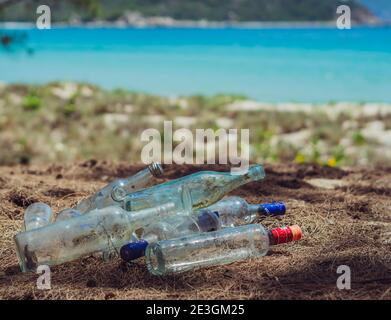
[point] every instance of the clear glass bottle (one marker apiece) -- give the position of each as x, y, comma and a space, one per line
229, 212
234, 211
215, 248
104, 197
37, 215
206, 187
172, 227
99, 230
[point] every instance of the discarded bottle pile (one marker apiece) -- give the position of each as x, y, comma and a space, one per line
179, 225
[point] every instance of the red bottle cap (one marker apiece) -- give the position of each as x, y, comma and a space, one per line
287, 234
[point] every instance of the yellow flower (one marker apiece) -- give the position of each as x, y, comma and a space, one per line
300, 158
332, 162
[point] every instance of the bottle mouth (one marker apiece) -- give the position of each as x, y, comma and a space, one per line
156, 169
118, 193
256, 172
155, 260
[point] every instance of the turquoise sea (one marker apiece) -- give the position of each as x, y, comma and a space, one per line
272, 64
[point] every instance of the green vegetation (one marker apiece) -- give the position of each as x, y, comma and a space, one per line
358, 138
31, 103
63, 122
217, 10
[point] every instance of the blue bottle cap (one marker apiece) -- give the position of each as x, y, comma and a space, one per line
208, 220
273, 209
133, 250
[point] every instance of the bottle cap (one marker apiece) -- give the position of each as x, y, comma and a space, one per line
273, 209
156, 169
286, 234
133, 250
296, 232
208, 220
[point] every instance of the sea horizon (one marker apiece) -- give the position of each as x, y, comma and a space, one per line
304, 65
195, 24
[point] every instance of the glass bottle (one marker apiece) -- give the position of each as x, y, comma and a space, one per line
219, 247
229, 212
206, 187
234, 211
99, 230
103, 197
37, 215
172, 227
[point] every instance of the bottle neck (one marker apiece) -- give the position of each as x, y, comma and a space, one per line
254, 210
254, 173
132, 182
284, 235
141, 178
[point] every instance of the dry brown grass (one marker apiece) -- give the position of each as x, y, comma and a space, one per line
350, 225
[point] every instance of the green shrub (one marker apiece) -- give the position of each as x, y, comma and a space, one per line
358, 138
31, 103
69, 109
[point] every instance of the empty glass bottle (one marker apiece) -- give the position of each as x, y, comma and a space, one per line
99, 230
37, 215
104, 197
234, 211
172, 227
206, 187
229, 212
215, 248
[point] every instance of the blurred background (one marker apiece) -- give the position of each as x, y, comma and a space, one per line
107, 70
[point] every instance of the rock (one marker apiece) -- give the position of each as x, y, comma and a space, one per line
112, 120
66, 91
224, 123
246, 105
326, 183
375, 131
185, 121
86, 92
298, 138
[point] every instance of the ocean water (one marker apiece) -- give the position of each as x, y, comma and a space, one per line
276, 65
